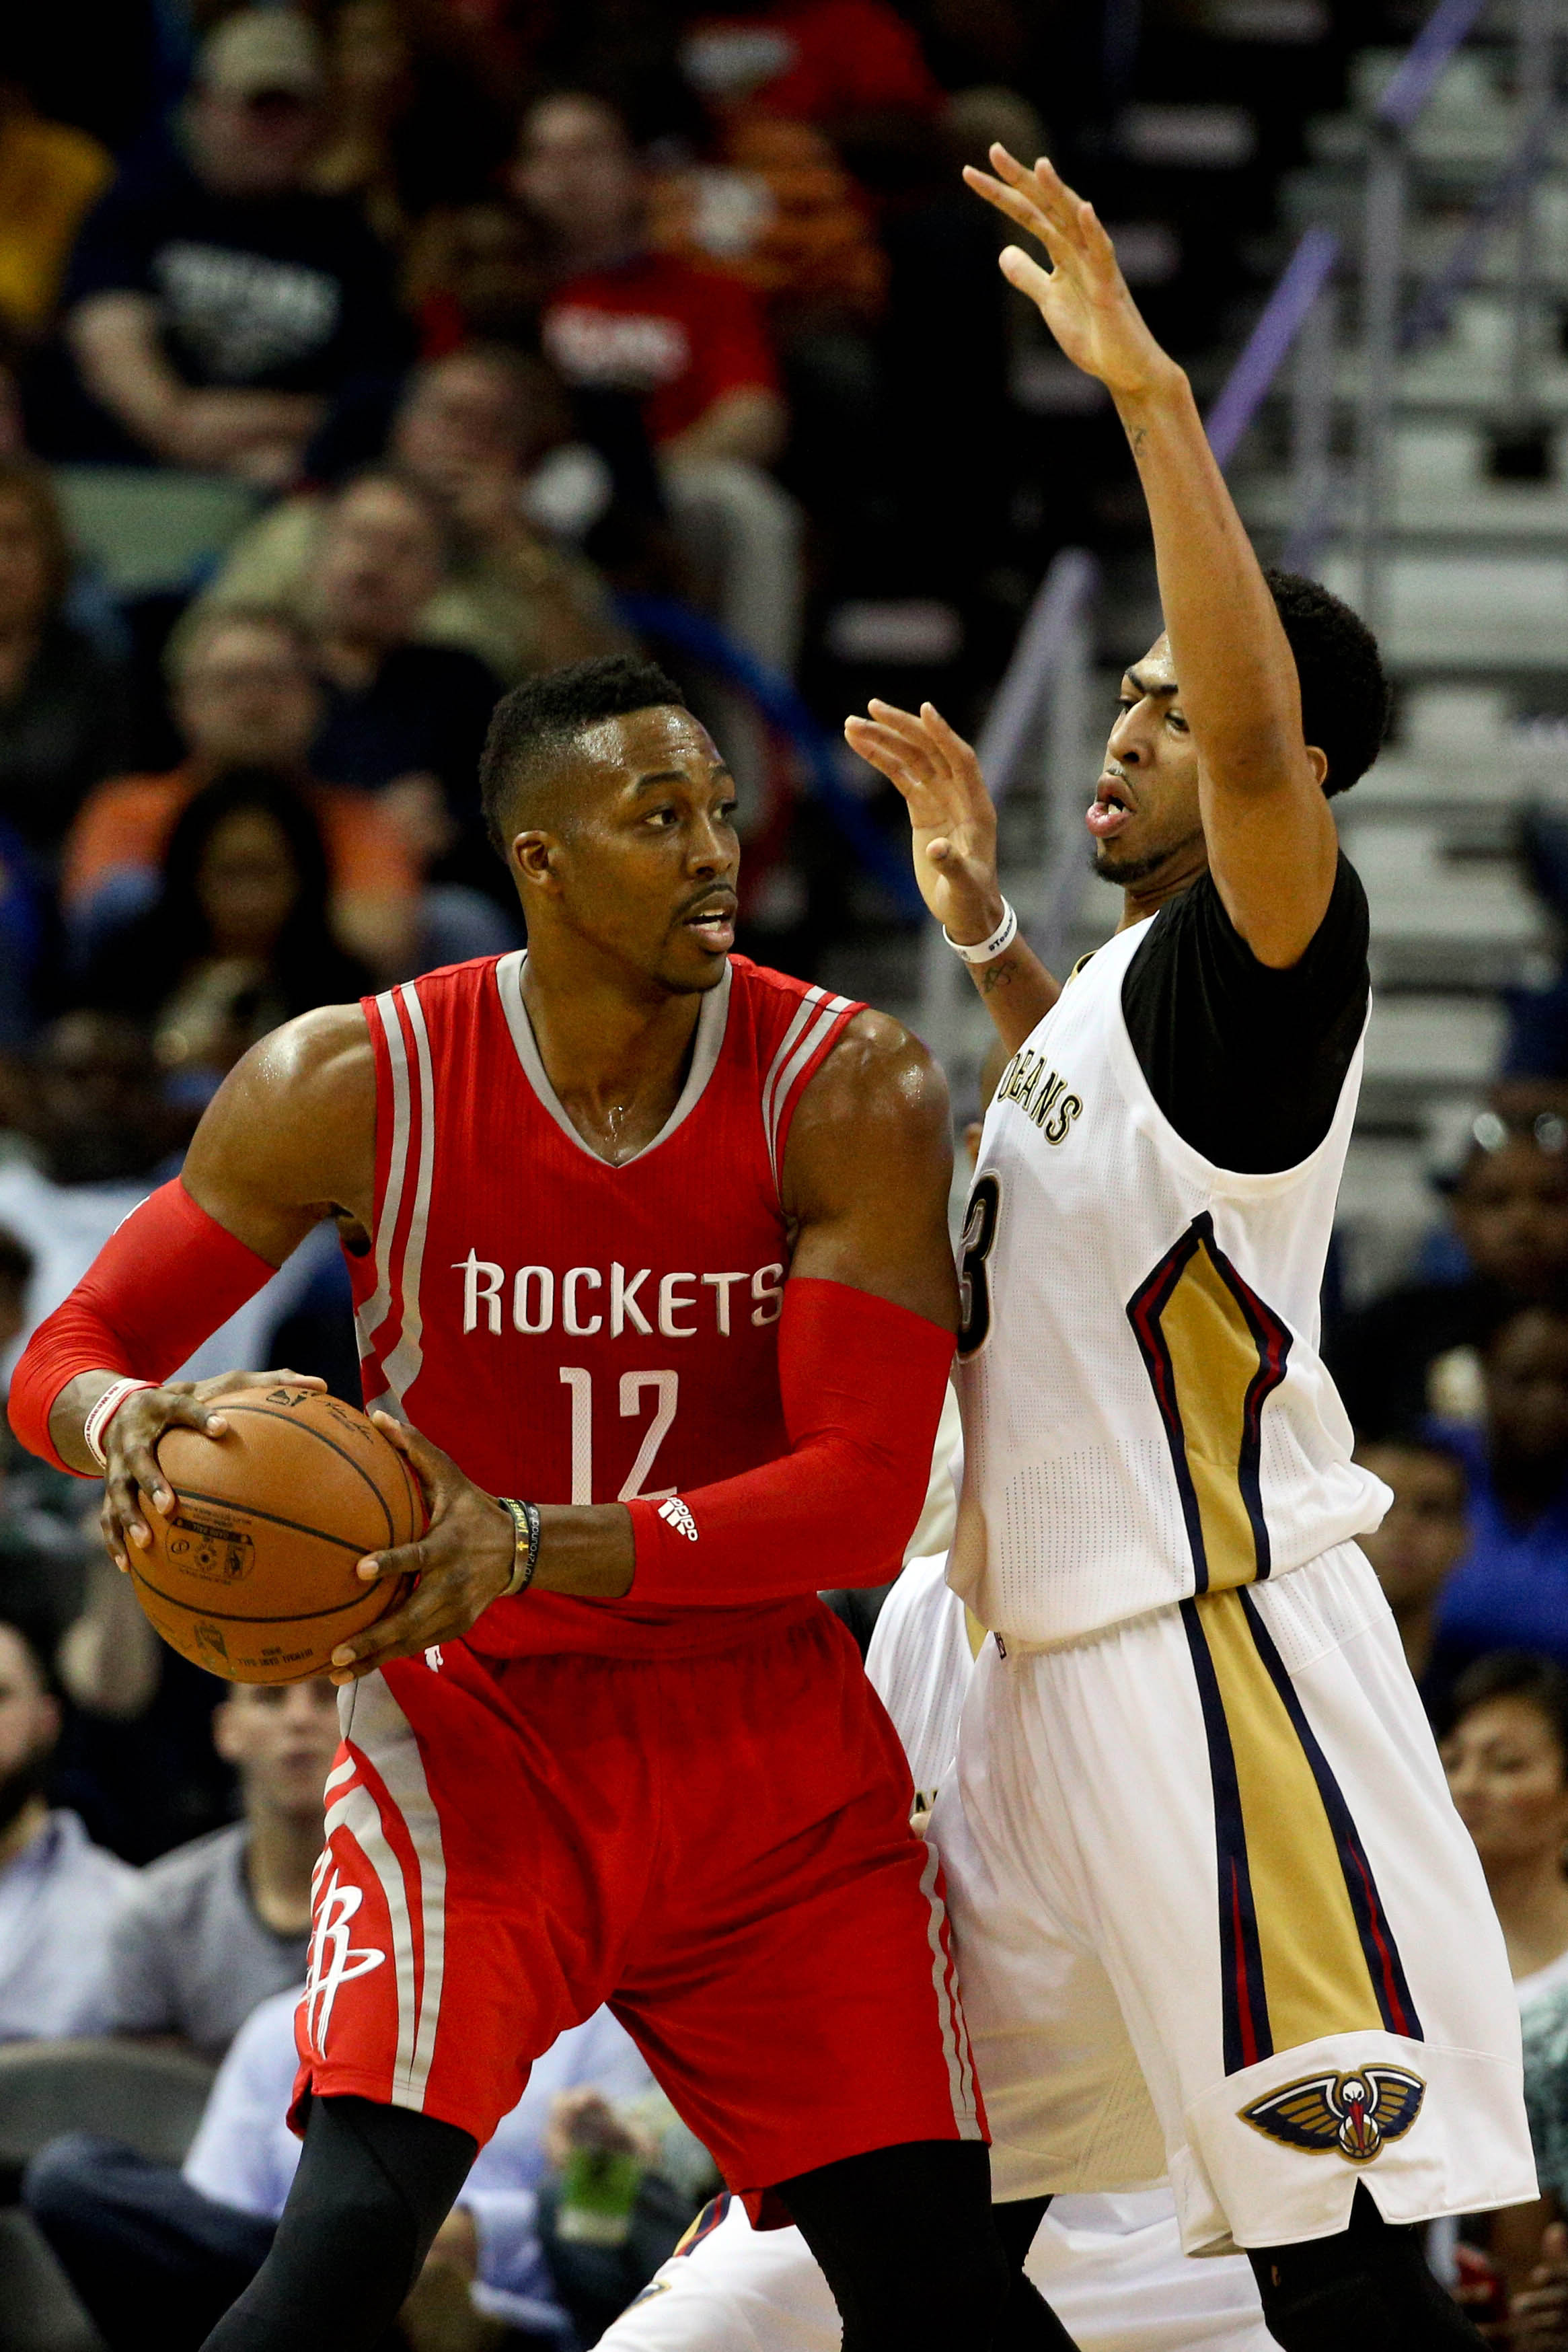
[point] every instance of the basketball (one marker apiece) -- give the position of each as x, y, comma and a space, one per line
253, 1578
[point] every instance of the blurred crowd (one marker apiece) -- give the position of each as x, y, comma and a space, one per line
355, 360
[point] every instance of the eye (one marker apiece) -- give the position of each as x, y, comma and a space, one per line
663, 817
727, 810
1177, 723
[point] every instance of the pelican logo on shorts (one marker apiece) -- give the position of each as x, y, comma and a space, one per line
206, 1548
1351, 2115
676, 1515
333, 1961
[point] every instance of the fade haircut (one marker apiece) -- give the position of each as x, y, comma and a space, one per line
1346, 696
1525, 1675
540, 720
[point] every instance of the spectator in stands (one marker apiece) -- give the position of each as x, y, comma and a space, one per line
1510, 1590
847, 66
1415, 1350
138, 2238
213, 1928
690, 341
245, 696
1419, 1544
43, 1546
63, 707
1505, 1751
470, 429
238, 938
57, 1892
215, 305
404, 720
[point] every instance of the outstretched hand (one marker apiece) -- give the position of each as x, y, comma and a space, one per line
951, 817
461, 1563
1082, 297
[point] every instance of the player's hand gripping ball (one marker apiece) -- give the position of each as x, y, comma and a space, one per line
265, 1498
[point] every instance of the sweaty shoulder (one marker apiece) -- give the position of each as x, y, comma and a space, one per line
877, 1077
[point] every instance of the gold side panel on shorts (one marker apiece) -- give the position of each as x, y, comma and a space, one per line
975, 1631
1214, 1360
1316, 1975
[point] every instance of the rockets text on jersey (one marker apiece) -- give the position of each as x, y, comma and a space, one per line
568, 1330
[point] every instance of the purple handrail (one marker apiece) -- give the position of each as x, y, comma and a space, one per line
1247, 386
1449, 24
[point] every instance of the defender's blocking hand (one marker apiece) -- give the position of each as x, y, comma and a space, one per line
1082, 297
463, 1561
951, 817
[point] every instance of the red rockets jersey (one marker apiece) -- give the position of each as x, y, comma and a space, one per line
569, 1331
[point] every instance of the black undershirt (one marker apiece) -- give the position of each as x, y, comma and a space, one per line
1248, 1063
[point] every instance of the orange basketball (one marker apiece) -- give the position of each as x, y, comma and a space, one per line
253, 1576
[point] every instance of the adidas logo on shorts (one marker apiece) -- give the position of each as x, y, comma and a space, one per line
676, 1515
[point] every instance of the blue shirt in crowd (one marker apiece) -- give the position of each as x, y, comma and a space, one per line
1510, 1590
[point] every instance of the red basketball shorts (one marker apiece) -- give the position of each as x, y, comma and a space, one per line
718, 1846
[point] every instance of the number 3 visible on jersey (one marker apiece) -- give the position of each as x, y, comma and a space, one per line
667, 1389
974, 1272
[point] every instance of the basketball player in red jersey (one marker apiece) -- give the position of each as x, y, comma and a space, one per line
654, 1244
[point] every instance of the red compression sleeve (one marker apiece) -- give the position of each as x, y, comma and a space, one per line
861, 1382
164, 1280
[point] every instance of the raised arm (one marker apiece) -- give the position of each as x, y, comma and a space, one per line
1271, 837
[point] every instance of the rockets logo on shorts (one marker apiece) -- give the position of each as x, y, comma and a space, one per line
1350, 2116
332, 1962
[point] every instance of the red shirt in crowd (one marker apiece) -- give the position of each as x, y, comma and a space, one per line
676, 333
812, 59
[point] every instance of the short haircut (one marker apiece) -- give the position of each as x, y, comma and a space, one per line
535, 725
1524, 1675
195, 631
15, 1261
1345, 696
1415, 1437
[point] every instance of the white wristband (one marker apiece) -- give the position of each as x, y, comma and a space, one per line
103, 1412
987, 950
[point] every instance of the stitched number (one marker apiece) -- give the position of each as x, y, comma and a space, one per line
974, 1272
665, 1390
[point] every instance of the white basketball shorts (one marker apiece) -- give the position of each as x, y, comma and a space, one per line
1215, 1915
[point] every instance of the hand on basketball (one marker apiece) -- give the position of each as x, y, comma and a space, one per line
1082, 297
951, 817
132, 1480
462, 1562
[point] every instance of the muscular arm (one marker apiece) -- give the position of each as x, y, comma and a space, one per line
114, 337
1271, 837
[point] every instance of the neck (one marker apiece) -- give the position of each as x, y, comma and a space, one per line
1174, 874
1524, 1484
589, 247
350, 662
280, 1858
22, 1829
1417, 1627
614, 1046
1531, 1898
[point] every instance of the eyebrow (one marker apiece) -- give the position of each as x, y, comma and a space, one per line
1135, 677
657, 776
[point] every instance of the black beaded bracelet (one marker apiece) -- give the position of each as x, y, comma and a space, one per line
527, 1528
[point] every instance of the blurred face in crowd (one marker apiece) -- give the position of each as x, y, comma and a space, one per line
245, 697
29, 1726
281, 1739
247, 883
1422, 1537
462, 418
1526, 1377
1511, 1213
101, 1116
381, 564
255, 146
25, 586
1146, 812
578, 171
1507, 1775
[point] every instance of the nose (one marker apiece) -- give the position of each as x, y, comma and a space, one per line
1128, 741
711, 853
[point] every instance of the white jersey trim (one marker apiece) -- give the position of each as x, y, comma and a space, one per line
713, 1020
402, 1366
816, 1014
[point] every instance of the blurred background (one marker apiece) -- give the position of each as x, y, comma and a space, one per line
358, 360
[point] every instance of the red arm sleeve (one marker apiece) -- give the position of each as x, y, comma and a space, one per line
167, 1276
863, 1383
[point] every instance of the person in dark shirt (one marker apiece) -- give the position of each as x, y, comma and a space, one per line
215, 305
404, 720
1416, 1550
1511, 1588
1508, 1216
63, 707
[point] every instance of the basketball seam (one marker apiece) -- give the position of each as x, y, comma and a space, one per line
270, 1412
273, 1518
289, 1617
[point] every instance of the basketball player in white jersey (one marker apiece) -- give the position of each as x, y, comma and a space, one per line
1215, 1913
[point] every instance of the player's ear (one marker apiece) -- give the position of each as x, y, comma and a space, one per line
534, 855
1318, 764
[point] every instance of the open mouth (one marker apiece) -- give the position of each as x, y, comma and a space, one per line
712, 926
1109, 810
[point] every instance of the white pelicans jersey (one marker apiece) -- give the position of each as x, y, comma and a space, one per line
1146, 1414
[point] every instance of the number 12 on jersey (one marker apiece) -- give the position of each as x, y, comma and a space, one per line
666, 1388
